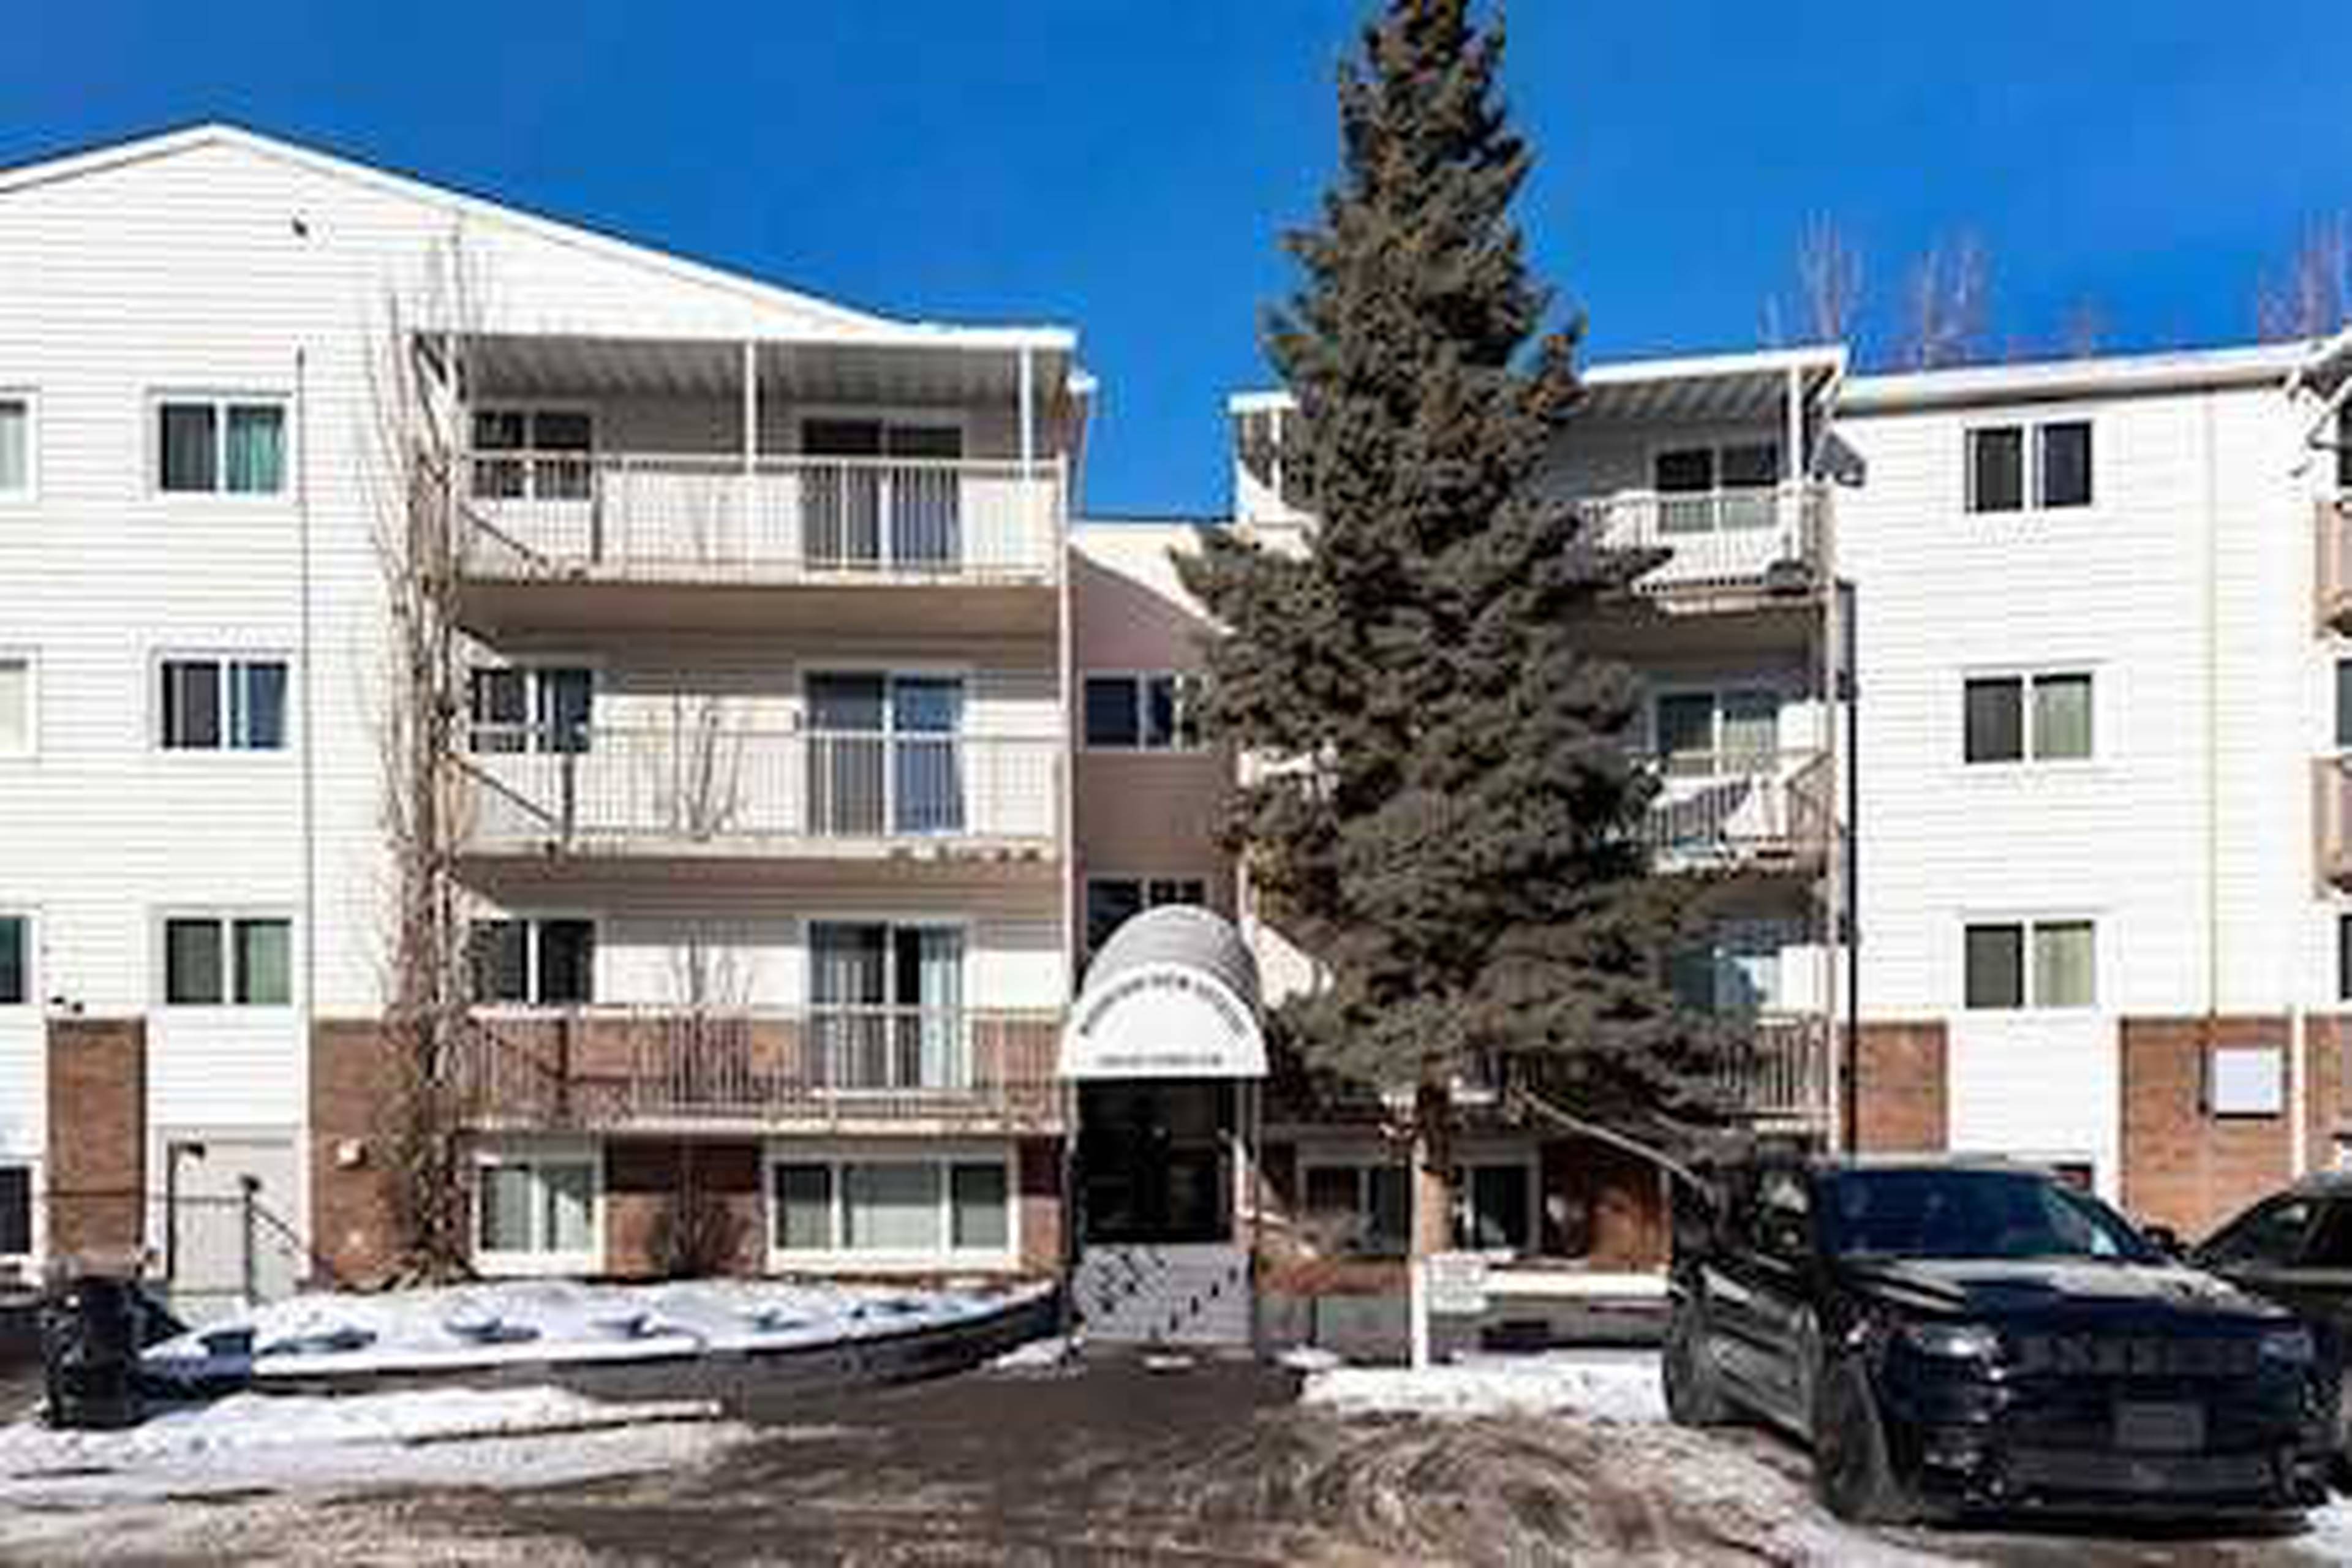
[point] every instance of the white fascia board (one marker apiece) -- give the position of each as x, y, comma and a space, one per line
2117, 376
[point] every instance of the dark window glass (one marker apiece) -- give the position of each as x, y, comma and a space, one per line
1997, 469
13, 965
257, 707
2344, 957
1498, 1207
500, 700
842, 439
803, 1207
2343, 449
1331, 1195
15, 1211
1751, 467
1110, 902
2331, 1246
192, 964
1168, 718
2273, 1234
1995, 720
1175, 890
1390, 1189
1111, 716
265, 962
1686, 471
191, 455
936, 443
498, 955
567, 954
2066, 464
566, 700
2343, 703
977, 1211
561, 431
1996, 966
192, 705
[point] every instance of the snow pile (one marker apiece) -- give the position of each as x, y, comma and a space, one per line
1606, 1388
518, 1437
1309, 1358
557, 1320
2329, 1539
1048, 1354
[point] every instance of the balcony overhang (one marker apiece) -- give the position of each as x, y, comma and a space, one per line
1715, 389
946, 366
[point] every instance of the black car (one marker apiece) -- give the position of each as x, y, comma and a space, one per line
1954, 1337
2295, 1248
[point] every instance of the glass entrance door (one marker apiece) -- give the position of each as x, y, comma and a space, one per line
1155, 1161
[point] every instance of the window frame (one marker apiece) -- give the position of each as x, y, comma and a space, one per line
1720, 696
221, 402
537, 1260
30, 657
2280, 1097
30, 492
1186, 720
29, 958
531, 734
942, 1158
228, 666
2029, 927
225, 921
531, 921
36, 1227
530, 456
1143, 882
1717, 448
2032, 481
2028, 681
1361, 1159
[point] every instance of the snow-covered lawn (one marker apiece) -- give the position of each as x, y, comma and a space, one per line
508, 1437
562, 1321
1609, 1387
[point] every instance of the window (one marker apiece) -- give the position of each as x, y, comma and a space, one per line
888, 1005
536, 1205
535, 708
2344, 957
886, 753
1363, 1208
16, 961
1148, 712
15, 1211
2063, 971
16, 723
15, 446
533, 963
209, 962
1702, 489
1491, 1207
2062, 467
2245, 1080
905, 1208
1111, 901
213, 705
2273, 1235
1995, 710
213, 446
1738, 975
2344, 704
890, 500
552, 448
1707, 733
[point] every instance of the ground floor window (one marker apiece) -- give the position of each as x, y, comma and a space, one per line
1364, 1207
536, 1205
16, 1210
897, 1207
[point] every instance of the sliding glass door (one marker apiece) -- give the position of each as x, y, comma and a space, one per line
887, 1004
885, 754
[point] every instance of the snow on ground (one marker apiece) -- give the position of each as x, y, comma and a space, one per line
1047, 1354
1608, 1387
559, 1319
508, 1437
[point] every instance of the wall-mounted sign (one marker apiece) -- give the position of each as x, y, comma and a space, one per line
1456, 1283
1161, 1020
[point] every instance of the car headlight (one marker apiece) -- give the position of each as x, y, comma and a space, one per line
1953, 1341
2289, 1347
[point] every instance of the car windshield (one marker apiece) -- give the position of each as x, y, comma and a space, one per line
1971, 1214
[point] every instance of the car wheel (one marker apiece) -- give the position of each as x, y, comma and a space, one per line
1851, 1470
1694, 1392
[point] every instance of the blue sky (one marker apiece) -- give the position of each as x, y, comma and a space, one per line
1126, 165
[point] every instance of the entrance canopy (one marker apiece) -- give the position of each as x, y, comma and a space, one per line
1173, 993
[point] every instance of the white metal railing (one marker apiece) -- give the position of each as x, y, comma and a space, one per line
606, 1066
1717, 539
1717, 807
1781, 1071
685, 519
722, 785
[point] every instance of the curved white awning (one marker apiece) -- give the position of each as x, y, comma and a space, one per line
1173, 993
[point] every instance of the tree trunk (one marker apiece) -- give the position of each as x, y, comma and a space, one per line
1433, 1170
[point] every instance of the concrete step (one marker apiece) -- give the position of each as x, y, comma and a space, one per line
1187, 1294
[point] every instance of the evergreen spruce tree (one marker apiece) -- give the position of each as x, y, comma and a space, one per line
1451, 834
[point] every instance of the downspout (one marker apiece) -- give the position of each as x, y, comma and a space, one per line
305, 715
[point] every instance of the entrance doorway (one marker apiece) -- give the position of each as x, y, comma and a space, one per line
1155, 1161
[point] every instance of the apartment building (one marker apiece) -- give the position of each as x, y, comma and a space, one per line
820, 776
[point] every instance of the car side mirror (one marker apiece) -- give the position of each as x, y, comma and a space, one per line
2167, 1240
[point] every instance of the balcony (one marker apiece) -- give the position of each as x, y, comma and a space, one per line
2333, 533
609, 540
1773, 811
1723, 549
716, 792
819, 1068
1778, 1077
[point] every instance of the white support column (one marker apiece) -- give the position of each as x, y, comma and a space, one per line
745, 507
1792, 465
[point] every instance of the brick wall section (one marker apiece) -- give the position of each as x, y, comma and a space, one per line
2326, 1084
1902, 1088
98, 1140
653, 1186
1037, 1187
2181, 1167
351, 1092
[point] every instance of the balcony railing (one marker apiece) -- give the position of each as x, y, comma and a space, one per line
718, 519
1771, 538
1723, 809
720, 788
2334, 533
1780, 1073
602, 1068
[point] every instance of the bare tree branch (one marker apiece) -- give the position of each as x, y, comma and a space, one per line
1947, 305
2310, 295
1826, 304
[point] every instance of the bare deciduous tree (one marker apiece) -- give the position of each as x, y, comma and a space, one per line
1827, 303
2310, 295
1947, 305
415, 376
